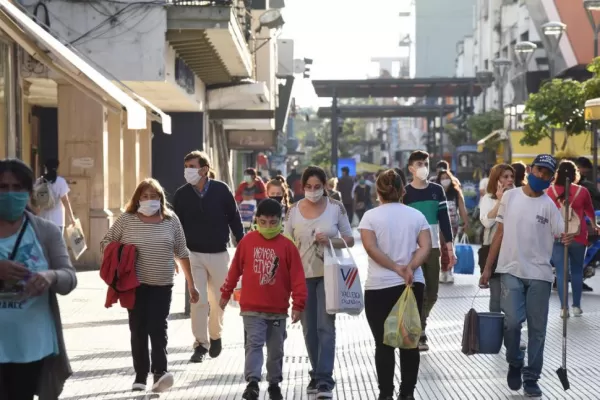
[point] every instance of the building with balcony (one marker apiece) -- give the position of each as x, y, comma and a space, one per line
207, 68
500, 24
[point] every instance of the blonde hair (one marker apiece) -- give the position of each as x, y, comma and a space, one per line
149, 183
332, 182
280, 183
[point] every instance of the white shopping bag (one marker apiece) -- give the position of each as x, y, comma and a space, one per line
343, 291
76, 239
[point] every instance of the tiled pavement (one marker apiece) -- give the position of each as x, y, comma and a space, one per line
98, 344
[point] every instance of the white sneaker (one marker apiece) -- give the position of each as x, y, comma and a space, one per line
564, 314
165, 382
450, 277
443, 277
138, 387
577, 312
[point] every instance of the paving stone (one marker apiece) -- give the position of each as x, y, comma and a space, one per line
98, 344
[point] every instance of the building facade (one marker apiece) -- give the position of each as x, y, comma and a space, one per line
439, 25
500, 24
121, 91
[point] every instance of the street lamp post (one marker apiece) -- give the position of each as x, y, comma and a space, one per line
553, 31
501, 66
590, 6
524, 52
485, 79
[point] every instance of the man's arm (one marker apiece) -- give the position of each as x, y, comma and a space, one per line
494, 248
235, 220
444, 219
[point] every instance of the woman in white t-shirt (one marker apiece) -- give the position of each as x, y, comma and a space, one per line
311, 223
397, 240
60, 190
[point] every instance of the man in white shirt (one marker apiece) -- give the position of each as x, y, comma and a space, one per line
528, 222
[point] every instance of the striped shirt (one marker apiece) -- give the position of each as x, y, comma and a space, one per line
157, 245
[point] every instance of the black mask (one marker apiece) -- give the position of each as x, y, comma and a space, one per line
278, 199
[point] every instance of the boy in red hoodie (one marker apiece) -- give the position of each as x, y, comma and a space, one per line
271, 270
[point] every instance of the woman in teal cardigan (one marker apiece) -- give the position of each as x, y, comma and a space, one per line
34, 268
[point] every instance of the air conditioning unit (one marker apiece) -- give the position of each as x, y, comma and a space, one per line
285, 56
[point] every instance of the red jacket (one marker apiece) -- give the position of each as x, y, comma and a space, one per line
582, 206
271, 270
118, 271
260, 190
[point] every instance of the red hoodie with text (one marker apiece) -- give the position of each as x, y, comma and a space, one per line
271, 271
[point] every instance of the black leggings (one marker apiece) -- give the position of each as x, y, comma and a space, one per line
378, 305
19, 381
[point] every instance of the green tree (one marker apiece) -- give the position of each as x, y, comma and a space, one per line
456, 135
352, 133
485, 123
559, 104
591, 87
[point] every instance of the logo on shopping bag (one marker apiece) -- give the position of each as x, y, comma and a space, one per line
349, 276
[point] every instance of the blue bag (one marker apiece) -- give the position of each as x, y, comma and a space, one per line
465, 258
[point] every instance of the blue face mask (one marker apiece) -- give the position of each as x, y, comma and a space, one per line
537, 184
12, 205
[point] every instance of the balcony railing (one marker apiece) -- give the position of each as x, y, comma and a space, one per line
241, 8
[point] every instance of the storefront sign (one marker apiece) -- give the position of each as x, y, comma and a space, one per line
251, 140
84, 163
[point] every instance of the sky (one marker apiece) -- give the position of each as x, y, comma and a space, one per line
341, 37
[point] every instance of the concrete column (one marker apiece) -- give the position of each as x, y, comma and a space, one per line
89, 149
145, 151
115, 163
131, 163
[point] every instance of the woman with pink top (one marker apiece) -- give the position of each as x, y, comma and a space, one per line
581, 203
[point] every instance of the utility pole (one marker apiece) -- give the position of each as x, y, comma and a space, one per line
334, 134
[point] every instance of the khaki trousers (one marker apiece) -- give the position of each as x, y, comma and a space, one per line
209, 272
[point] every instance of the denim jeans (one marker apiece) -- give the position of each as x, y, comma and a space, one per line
576, 252
525, 300
495, 292
319, 333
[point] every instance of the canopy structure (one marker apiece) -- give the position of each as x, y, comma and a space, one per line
417, 87
463, 89
395, 111
499, 134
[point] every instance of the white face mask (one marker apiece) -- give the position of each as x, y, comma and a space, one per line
446, 183
422, 173
314, 196
192, 175
149, 207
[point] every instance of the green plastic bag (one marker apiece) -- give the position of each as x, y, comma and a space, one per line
402, 328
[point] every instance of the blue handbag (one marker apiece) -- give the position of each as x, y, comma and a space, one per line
465, 258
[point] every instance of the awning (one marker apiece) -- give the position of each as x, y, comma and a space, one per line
592, 110
499, 134
368, 167
20, 28
165, 119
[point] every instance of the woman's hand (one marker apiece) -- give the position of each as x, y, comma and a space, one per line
223, 303
322, 238
296, 315
12, 271
499, 191
194, 294
406, 273
39, 283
